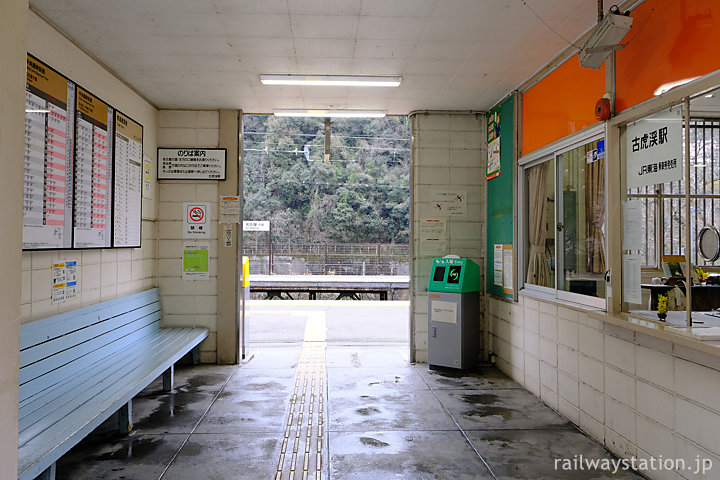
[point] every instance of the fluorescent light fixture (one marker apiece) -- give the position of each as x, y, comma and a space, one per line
32, 110
331, 113
331, 80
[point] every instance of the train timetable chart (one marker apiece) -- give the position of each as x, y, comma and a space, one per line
127, 203
93, 172
48, 166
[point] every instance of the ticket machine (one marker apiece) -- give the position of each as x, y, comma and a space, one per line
454, 313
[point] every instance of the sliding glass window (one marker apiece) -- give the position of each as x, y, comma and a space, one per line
564, 228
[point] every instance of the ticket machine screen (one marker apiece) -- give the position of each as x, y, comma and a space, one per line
439, 275
454, 275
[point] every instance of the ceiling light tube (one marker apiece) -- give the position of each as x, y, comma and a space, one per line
331, 80
331, 113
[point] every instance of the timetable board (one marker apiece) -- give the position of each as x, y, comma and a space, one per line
48, 165
128, 168
82, 167
93, 171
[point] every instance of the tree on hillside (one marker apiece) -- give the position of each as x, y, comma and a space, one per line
360, 196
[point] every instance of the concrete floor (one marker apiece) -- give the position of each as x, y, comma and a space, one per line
383, 419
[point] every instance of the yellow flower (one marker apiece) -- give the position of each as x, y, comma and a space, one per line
662, 304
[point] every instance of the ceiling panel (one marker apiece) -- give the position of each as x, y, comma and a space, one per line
325, 7
385, 8
376, 48
391, 28
324, 26
257, 25
324, 48
463, 54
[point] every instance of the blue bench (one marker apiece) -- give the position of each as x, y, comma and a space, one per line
78, 368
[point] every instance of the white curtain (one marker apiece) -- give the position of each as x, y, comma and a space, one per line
538, 270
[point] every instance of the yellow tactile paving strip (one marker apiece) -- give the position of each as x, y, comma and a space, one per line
301, 452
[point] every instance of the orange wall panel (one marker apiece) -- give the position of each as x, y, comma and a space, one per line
560, 104
670, 40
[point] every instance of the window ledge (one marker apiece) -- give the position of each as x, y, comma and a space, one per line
686, 337
550, 297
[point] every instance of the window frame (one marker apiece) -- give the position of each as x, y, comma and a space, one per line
546, 154
659, 197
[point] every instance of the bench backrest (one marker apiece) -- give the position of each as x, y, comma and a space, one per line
54, 348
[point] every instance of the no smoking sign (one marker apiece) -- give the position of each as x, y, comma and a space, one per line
196, 221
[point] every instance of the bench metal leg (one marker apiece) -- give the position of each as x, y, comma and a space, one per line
125, 418
48, 474
196, 355
168, 378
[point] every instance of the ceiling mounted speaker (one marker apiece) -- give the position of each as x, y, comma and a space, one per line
709, 243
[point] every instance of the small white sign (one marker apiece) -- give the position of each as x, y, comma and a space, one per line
147, 178
654, 150
445, 312
196, 220
191, 163
632, 223
449, 204
256, 226
498, 265
227, 235
433, 236
632, 279
229, 209
64, 281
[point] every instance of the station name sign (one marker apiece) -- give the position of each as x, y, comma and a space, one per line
191, 163
654, 150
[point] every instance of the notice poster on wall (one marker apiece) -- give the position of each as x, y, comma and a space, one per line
128, 168
93, 171
48, 162
196, 261
433, 236
64, 281
493, 143
449, 203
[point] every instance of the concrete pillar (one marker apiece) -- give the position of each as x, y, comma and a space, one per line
228, 297
13, 32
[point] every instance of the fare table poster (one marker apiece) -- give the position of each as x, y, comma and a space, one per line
93, 172
48, 165
128, 168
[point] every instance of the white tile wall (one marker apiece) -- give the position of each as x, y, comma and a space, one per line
102, 275
187, 303
448, 154
639, 395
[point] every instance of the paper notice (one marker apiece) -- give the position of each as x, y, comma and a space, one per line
632, 225
445, 312
498, 265
433, 236
632, 290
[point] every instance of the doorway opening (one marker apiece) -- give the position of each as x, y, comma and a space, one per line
327, 227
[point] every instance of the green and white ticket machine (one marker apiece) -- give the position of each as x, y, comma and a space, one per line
454, 275
453, 313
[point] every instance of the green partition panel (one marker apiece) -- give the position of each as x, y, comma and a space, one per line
500, 192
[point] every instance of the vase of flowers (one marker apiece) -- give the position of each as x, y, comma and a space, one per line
662, 307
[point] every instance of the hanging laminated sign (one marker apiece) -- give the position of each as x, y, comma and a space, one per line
493, 145
654, 150
191, 163
48, 160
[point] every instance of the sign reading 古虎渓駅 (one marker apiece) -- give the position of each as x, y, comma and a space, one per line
191, 163
654, 150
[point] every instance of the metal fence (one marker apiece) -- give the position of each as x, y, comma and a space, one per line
328, 259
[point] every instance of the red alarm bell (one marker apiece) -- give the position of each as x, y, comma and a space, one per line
602, 109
